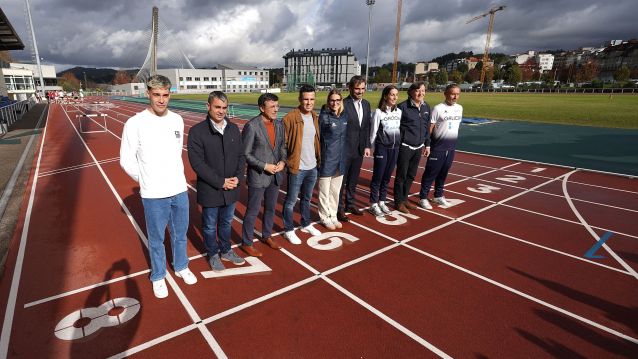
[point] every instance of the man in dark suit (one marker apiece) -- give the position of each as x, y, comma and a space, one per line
265, 151
357, 145
216, 154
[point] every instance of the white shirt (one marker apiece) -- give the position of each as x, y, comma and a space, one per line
151, 153
359, 107
446, 120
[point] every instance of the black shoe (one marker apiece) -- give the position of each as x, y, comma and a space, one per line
354, 210
341, 216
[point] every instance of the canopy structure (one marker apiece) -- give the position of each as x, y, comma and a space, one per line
9, 39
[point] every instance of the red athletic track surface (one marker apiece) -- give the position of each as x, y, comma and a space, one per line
500, 274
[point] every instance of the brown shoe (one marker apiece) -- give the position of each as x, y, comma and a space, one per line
402, 208
251, 251
342, 217
354, 210
271, 243
409, 205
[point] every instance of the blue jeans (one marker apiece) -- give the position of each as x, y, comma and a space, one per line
216, 222
159, 212
300, 184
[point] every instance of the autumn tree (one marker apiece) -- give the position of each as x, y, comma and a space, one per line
441, 77
122, 77
513, 75
587, 72
69, 82
622, 74
462, 68
472, 75
456, 77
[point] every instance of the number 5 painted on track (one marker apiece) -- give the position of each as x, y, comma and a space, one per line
97, 317
333, 240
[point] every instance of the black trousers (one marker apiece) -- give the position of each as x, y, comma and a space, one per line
350, 179
407, 164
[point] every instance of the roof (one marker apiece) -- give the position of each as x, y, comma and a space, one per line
9, 39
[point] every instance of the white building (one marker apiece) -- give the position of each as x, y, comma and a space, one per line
227, 78
522, 58
48, 74
130, 89
320, 67
545, 62
18, 83
422, 68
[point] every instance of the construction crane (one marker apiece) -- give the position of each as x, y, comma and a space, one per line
490, 27
396, 44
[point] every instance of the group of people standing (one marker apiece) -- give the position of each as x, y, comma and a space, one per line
328, 148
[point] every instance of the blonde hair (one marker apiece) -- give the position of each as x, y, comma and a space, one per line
335, 92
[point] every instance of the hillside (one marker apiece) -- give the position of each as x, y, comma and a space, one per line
96, 75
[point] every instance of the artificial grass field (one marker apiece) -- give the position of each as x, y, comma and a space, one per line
598, 110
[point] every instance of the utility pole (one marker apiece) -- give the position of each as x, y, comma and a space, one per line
35, 48
396, 43
369, 3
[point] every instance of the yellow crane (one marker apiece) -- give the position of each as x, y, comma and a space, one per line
396, 44
490, 27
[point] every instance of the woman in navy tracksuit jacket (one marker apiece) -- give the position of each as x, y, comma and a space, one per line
385, 137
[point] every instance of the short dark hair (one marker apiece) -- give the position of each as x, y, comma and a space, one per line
451, 86
415, 86
217, 95
305, 88
265, 98
354, 81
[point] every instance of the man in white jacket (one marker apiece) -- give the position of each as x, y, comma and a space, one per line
151, 153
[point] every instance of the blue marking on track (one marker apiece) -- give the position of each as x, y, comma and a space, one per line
601, 241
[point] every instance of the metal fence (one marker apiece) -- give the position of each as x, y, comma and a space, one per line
12, 113
575, 90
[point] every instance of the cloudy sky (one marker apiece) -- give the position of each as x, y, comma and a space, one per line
116, 33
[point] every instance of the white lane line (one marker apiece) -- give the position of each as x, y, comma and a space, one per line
388, 320
527, 296
17, 272
158, 340
169, 278
546, 248
76, 167
83, 289
591, 231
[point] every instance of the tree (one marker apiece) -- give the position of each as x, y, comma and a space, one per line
479, 65
69, 82
513, 75
622, 74
441, 77
473, 75
5, 56
432, 80
456, 77
587, 72
489, 75
462, 68
122, 77
383, 76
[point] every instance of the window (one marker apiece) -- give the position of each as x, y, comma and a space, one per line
181, 78
192, 87
198, 79
206, 78
189, 79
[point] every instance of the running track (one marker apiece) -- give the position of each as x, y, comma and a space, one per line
502, 273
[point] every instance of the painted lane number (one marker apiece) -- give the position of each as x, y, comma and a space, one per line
95, 318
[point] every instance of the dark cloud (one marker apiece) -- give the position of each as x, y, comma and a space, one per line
116, 33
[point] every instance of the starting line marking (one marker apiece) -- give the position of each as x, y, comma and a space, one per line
256, 266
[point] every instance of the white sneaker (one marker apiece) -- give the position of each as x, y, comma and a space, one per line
337, 224
310, 229
425, 204
375, 210
384, 208
187, 275
441, 200
292, 237
159, 288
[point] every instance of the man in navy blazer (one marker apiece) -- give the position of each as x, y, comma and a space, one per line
216, 154
265, 151
357, 144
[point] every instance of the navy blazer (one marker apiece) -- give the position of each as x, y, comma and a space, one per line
215, 157
358, 136
259, 151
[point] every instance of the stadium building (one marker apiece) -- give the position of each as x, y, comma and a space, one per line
227, 78
327, 67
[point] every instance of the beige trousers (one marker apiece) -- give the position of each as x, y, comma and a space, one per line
329, 188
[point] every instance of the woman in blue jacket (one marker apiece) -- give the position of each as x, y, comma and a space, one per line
385, 137
333, 122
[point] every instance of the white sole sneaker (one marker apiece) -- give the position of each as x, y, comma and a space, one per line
187, 275
425, 204
310, 229
292, 237
160, 289
441, 201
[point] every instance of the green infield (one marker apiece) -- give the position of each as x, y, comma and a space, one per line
598, 110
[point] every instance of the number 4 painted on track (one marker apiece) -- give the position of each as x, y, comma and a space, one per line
256, 266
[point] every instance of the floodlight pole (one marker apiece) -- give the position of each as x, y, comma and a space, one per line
35, 47
369, 3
